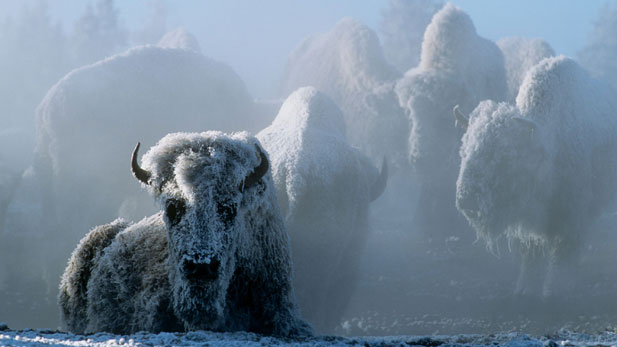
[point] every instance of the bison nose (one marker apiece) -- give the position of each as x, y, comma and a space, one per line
198, 270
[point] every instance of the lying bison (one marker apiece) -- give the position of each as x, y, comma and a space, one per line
216, 257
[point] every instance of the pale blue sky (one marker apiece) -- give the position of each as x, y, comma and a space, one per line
255, 37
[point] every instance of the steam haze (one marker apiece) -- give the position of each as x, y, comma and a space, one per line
84, 81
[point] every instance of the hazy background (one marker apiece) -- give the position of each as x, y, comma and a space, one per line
270, 29
406, 287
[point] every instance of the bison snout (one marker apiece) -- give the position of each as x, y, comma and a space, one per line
201, 271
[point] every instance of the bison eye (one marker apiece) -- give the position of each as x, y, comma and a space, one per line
174, 211
227, 211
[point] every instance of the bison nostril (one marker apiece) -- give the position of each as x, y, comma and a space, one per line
209, 271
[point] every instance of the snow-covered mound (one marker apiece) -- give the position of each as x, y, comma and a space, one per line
324, 187
180, 39
521, 54
348, 65
201, 338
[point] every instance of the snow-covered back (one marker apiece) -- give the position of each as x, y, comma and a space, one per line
521, 54
324, 187
180, 38
347, 64
306, 118
307, 142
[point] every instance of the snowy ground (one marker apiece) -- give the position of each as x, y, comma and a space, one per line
201, 338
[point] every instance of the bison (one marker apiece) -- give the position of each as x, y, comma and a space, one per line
541, 171
324, 187
215, 258
457, 67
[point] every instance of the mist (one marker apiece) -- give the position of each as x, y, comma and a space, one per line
83, 82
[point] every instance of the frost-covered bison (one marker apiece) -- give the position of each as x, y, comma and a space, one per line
324, 187
456, 67
348, 65
215, 258
92, 114
542, 170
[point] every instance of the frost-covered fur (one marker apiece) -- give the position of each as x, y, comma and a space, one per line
457, 67
324, 187
348, 65
521, 54
542, 170
216, 257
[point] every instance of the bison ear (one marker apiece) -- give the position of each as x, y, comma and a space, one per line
460, 119
380, 185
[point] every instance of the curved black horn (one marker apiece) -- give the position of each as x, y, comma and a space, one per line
139, 173
380, 185
259, 171
461, 120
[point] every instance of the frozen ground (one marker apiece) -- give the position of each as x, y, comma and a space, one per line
461, 289
201, 338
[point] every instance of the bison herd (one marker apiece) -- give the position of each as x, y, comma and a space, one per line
264, 233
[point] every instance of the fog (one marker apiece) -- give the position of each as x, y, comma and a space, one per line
83, 82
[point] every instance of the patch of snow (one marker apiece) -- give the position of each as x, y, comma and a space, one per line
29, 338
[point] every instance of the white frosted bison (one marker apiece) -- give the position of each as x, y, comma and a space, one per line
542, 170
324, 187
347, 64
215, 258
456, 67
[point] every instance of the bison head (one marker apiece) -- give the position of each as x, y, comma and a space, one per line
207, 185
505, 171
